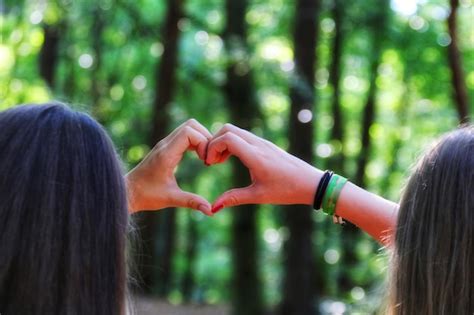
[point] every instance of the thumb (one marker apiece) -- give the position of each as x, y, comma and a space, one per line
236, 197
189, 200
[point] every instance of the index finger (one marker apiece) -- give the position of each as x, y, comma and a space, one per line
187, 138
230, 143
194, 124
242, 133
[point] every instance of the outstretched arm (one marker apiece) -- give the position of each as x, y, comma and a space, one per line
281, 178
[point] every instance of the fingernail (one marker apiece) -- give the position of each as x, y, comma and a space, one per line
204, 208
217, 208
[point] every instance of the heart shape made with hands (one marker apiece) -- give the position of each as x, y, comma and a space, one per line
216, 149
153, 183
277, 177
212, 184
217, 152
217, 169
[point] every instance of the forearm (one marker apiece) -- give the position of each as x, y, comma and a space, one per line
373, 214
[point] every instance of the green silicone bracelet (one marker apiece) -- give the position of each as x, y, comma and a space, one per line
327, 194
332, 194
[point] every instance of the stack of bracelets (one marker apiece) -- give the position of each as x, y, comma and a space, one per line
327, 193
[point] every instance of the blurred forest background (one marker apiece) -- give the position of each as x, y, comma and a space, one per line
361, 87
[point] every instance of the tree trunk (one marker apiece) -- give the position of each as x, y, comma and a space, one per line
455, 63
69, 82
191, 244
157, 228
336, 163
351, 232
298, 285
48, 56
98, 24
378, 25
239, 90
368, 117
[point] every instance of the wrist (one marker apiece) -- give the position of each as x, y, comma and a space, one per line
311, 177
132, 191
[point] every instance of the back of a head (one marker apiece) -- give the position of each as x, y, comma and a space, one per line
433, 261
63, 214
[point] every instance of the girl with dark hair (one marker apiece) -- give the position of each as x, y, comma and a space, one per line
430, 235
64, 211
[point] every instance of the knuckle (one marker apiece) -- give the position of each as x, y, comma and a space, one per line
192, 203
160, 144
227, 127
191, 122
267, 143
228, 136
260, 159
187, 130
233, 201
167, 162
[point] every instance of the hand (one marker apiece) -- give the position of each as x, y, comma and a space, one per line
152, 184
277, 176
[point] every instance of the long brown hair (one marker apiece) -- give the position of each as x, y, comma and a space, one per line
433, 258
63, 214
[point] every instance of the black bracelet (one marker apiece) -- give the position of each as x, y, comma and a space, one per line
321, 190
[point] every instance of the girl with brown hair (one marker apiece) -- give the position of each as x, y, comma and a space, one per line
430, 234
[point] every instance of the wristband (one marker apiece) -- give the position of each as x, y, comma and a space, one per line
332, 194
321, 190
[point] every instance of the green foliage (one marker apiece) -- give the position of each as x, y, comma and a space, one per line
414, 105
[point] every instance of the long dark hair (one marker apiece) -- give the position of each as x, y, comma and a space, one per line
63, 214
433, 261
